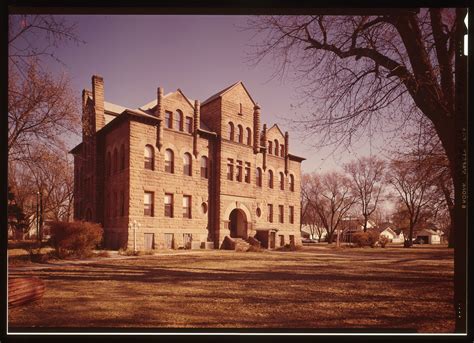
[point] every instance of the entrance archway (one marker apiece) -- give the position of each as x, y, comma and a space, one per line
238, 224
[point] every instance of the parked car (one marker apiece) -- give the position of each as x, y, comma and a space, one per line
419, 240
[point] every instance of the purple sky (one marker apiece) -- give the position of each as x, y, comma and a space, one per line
199, 54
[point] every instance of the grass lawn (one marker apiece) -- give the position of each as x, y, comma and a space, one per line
317, 287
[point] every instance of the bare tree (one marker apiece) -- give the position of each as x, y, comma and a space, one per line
365, 73
367, 175
41, 110
423, 146
49, 174
33, 38
414, 184
362, 73
331, 198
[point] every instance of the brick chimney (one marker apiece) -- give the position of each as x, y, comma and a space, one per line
196, 121
86, 128
98, 98
159, 112
256, 128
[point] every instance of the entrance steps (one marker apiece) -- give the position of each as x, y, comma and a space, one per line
239, 244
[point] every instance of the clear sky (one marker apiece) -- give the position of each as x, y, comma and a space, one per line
198, 54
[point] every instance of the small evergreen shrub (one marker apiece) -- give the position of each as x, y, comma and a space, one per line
76, 239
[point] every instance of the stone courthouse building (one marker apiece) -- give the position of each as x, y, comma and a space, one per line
179, 173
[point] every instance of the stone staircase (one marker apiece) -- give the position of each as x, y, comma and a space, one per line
239, 244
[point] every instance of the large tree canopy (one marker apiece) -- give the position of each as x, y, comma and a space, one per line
363, 73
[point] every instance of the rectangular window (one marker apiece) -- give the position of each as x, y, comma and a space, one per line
292, 215
270, 149
247, 172
148, 204
186, 206
122, 203
115, 204
270, 213
189, 125
230, 169
168, 119
169, 205
239, 171
280, 213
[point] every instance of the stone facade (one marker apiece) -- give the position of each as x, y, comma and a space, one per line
213, 156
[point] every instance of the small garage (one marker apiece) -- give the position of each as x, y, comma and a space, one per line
429, 236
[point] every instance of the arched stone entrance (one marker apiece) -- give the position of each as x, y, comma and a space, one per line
238, 224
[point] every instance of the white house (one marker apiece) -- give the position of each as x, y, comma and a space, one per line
389, 231
306, 232
429, 236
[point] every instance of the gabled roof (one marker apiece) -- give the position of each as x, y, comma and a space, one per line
278, 128
114, 108
225, 90
152, 104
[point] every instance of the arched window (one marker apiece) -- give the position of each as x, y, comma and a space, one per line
270, 179
249, 136
240, 132
204, 167
270, 150
115, 160
282, 181
149, 157
231, 131
259, 177
292, 183
169, 161
178, 120
108, 163
282, 150
276, 147
122, 157
187, 164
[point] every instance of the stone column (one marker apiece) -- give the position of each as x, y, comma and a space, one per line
286, 153
196, 120
264, 137
256, 128
159, 112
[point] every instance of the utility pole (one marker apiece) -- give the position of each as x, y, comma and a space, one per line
41, 218
37, 215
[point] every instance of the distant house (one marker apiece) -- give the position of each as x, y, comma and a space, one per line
429, 236
306, 233
389, 231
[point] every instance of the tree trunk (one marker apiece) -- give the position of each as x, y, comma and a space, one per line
457, 156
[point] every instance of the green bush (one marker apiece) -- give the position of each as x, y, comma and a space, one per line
383, 240
75, 238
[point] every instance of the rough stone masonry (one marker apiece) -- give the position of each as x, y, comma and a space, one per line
177, 173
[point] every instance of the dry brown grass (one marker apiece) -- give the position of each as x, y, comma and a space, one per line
316, 287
